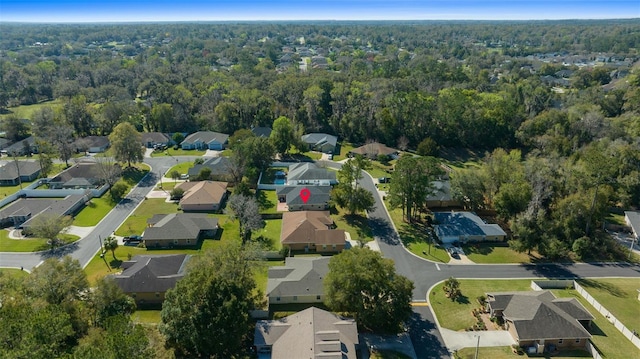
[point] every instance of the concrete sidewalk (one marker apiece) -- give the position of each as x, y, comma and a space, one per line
488, 338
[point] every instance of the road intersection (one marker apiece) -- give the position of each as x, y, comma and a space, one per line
425, 274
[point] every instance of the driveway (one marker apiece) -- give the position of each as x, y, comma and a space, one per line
489, 338
400, 343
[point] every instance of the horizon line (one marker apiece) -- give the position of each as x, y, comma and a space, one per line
310, 20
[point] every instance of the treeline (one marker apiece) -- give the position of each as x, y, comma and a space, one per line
397, 83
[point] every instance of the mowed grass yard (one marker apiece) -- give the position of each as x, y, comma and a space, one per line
357, 225
344, 148
29, 244
267, 201
497, 252
416, 237
12, 273
137, 222
269, 236
95, 211
506, 353
456, 315
27, 111
618, 295
179, 152
182, 168
605, 337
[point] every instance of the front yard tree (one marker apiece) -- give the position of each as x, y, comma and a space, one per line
108, 300
451, 288
126, 143
175, 175
246, 210
347, 194
207, 313
361, 282
413, 183
49, 226
109, 171
111, 244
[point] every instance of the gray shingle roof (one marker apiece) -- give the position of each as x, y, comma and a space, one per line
540, 315
261, 131
206, 137
309, 171
178, 226
464, 223
318, 139
299, 276
218, 166
10, 172
311, 333
318, 194
151, 273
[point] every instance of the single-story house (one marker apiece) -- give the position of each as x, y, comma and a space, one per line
311, 231
311, 333
178, 230
205, 140
632, 218
22, 212
81, 175
441, 195
298, 281
320, 142
4, 143
538, 319
262, 131
308, 173
23, 148
150, 139
219, 166
373, 150
464, 227
202, 196
93, 144
146, 278
305, 198
13, 173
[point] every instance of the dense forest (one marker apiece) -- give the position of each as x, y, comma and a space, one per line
554, 105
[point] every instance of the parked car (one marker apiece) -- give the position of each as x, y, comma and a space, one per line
133, 239
384, 180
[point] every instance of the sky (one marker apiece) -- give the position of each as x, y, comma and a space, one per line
254, 10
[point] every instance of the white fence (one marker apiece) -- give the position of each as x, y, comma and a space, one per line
561, 284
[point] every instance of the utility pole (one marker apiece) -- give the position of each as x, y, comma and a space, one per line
477, 346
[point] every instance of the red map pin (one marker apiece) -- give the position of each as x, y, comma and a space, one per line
305, 194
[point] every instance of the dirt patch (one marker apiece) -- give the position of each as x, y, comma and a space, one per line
488, 323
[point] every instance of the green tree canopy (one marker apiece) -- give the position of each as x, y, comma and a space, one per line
207, 313
360, 281
126, 143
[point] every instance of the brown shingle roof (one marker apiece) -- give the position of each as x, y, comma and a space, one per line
374, 149
309, 227
204, 192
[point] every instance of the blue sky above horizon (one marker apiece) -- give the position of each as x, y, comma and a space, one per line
229, 10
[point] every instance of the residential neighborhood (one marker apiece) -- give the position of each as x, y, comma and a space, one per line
320, 189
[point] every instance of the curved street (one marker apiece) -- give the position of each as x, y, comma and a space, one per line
424, 333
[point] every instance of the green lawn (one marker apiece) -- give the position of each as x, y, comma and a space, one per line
179, 152
270, 234
268, 201
182, 168
29, 244
416, 238
97, 268
615, 219
137, 222
356, 224
95, 211
12, 273
378, 169
146, 316
506, 353
9, 190
456, 315
605, 337
132, 175
496, 252
344, 149
27, 111
618, 295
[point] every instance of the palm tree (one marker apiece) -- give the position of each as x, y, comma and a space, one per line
451, 288
111, 244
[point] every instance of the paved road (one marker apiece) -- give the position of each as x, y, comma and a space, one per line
85, 249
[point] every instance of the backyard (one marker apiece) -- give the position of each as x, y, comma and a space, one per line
267, 201
269, 235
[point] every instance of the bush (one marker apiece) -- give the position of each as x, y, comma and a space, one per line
177, 193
